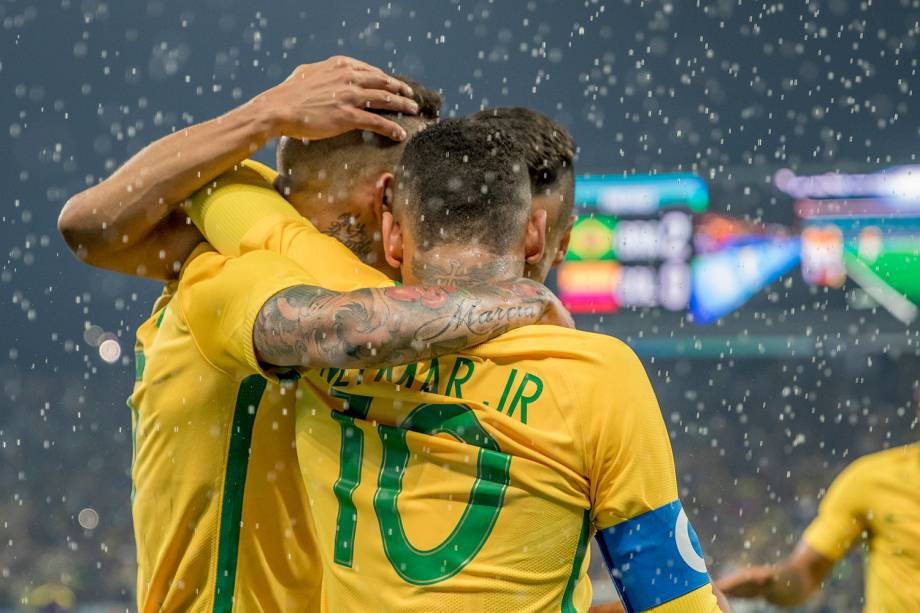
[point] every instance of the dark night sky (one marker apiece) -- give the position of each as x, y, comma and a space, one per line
731, 90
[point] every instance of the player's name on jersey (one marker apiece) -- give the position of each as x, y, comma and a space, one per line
449, 377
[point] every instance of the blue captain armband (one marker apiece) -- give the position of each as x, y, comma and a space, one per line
654, 558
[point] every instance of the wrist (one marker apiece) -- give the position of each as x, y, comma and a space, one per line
257, 118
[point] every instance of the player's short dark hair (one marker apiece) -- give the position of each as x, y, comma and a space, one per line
462, 181
429, 101
548, 147
337, 158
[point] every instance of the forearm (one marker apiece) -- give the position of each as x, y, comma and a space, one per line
306, 326
122, 210
788, 586
724, 605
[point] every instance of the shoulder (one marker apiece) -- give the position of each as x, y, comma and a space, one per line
881, 462
590, 362
871, 469
600, 353
595, 364
559, 342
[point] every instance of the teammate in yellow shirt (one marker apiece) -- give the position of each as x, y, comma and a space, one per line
473, 482
201, 535
877, 497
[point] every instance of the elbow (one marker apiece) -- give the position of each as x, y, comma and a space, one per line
84, 236
340, 355
69, 227
72, 229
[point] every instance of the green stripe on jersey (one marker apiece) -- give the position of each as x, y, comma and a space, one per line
135, 421
139, 362
160, 317
231, 506
568, 603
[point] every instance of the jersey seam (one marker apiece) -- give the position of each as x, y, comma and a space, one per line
583, 456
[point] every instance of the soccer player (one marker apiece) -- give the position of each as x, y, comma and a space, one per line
549, 152
876, 497
473, 481
220, 512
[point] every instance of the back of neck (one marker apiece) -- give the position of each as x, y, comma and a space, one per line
463, 265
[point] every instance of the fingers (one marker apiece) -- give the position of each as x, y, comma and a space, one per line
363, 120
372, 77
377, 79
384, 101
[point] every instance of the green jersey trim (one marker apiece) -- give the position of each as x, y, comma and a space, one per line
231, 507
568, 603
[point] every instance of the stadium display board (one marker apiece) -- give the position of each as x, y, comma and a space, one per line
632, 244
653, 242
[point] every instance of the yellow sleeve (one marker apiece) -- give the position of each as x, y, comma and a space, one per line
840, 519
241, 211
628, 452
225, 209
648, 544
221, 297
701, 600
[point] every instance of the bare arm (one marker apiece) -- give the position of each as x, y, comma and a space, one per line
306, 326
128, 222
789, 583
121, 223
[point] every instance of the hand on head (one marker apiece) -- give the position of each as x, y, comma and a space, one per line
335, 96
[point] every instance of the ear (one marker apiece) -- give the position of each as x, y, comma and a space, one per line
391, 233
383, 188
535, 239
564, 242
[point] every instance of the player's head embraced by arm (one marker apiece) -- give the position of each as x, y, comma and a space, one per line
460, 205
339, 183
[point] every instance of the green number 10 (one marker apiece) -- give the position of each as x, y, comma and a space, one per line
417, 566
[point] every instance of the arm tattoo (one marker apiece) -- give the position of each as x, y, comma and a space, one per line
312, 327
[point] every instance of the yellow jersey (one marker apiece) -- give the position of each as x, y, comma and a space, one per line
475, 481
878, 496
220, 512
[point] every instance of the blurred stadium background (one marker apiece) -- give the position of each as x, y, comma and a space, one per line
774, 304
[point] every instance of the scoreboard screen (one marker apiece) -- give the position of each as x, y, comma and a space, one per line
632, 245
